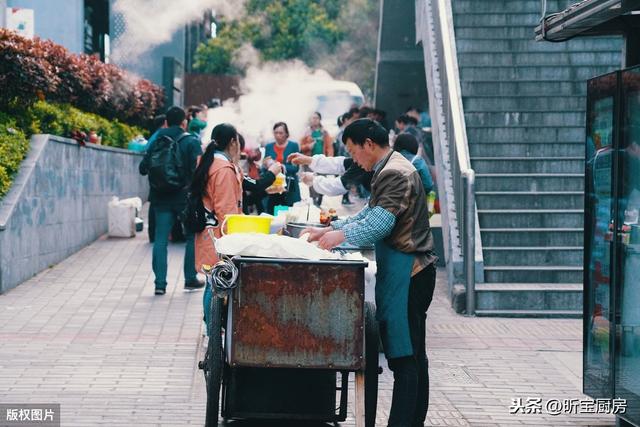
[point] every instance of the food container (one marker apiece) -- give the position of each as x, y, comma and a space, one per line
237, 223
294, 229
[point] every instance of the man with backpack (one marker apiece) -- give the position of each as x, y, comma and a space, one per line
170, 163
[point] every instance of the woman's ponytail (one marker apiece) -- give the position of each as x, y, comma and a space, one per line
221, 137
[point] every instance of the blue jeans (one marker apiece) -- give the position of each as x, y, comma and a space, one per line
165, 217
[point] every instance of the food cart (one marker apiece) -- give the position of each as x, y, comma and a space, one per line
288, 328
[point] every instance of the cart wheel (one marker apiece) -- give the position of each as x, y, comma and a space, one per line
371, 364
214, 360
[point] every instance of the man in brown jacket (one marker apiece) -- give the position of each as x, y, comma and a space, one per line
396, 219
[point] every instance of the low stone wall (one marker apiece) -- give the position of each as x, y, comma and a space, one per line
58, 203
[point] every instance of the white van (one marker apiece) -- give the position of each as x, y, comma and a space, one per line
334, 99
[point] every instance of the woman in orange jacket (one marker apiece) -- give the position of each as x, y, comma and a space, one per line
218, 180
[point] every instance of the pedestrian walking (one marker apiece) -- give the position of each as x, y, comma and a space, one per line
159, 122
396, 220
170, 163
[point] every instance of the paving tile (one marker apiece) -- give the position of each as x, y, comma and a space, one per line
89, 333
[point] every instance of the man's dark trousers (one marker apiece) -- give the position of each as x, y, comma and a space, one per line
411, 376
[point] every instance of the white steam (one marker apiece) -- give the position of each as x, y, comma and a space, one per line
149, 23
272, 92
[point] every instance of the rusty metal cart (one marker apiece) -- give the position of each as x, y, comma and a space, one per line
291, 327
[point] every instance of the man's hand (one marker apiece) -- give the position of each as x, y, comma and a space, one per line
315, 233
331, 239
299, 159
307, 178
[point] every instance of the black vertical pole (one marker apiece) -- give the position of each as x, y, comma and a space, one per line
631, 48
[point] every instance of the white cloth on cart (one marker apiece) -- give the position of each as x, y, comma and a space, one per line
271, 246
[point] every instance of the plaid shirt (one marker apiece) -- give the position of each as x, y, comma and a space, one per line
367, 226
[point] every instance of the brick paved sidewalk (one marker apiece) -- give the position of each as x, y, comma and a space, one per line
89, 333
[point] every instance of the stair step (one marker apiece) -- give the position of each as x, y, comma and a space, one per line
546, 255
569, 314
540, 299
526, 149
567, 59
529, 182
528, 164
469, 6
512, 87
534, 218
516, 34
517, 118
478, 135
484, 72
481, 97
529, 200
533, 274
475, 20
544, 286
532, 236
523, 46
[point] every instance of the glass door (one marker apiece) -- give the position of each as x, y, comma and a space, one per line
627, 298
599, 236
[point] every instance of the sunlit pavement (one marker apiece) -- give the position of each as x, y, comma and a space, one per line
89, 334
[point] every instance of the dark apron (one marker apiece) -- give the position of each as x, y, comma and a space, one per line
393, 279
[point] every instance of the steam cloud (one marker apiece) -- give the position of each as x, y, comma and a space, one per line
149, 23
272, 92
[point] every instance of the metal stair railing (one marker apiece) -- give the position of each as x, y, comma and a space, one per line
456, 178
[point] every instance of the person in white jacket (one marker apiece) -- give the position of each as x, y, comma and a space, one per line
349, 173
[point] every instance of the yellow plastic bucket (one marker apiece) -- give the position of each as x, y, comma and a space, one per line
237, 223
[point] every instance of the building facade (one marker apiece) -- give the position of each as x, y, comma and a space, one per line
82, 28
93, 27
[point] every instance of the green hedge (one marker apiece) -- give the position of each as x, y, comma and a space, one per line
13, 147
63, 120
54, 119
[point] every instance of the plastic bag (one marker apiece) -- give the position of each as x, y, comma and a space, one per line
122, 217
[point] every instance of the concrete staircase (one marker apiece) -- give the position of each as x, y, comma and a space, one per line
524, 107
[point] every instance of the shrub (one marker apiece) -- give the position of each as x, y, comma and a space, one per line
63, 120
55, 119
13, 147
32, 70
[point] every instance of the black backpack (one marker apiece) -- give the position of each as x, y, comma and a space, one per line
167, 172
194, 215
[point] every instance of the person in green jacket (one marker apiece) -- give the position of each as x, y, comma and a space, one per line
396, 220
197, 120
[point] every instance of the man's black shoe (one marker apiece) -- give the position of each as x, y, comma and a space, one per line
193, 284
160, 291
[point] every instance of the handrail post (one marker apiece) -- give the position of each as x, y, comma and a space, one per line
468, 179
